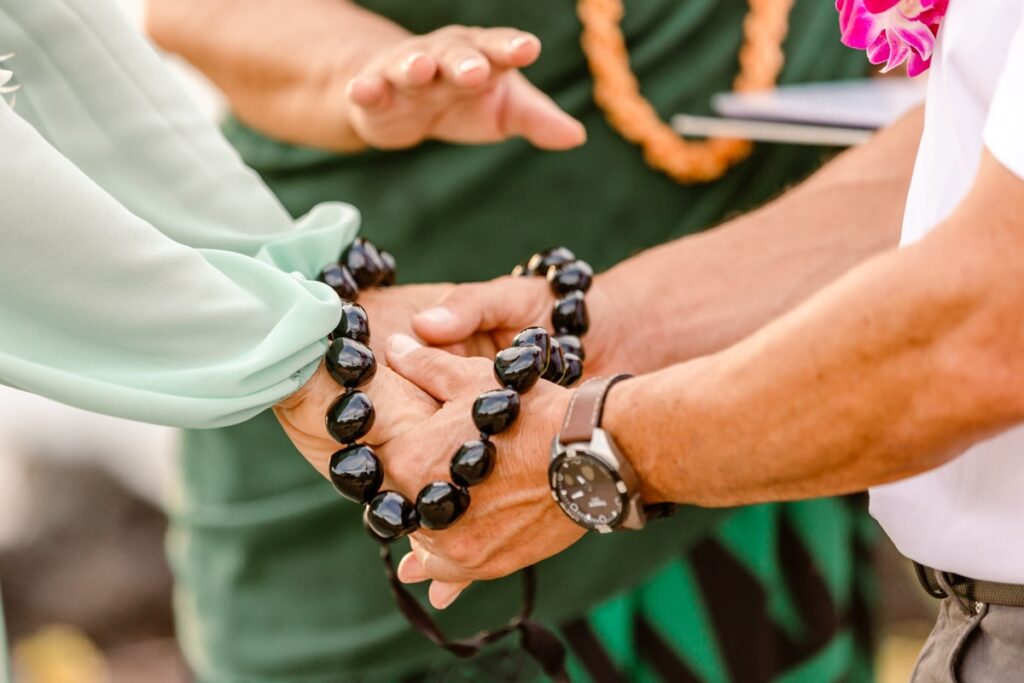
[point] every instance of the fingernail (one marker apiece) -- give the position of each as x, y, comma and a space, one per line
520, 41
444, 594
441, 317
401, 344
471, 64
411, 59
410, 570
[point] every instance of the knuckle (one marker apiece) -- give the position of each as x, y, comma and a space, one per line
478, 368
463, 554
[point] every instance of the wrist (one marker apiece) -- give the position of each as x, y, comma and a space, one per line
618, 320
645, 419
309, 387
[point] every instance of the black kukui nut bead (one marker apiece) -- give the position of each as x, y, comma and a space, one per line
519, 367
572, 344
338, 278
541, 261
536, 336
354, 324
569, 315
573, 370
390, 515
356, 473
440, 504
556, 364
350, 417
569, 277
495, 411
389, 273
350, 363
363, 260
473, 462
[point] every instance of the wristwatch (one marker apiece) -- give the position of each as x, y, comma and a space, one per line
590, 479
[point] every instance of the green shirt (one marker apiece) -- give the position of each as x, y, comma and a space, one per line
278, 582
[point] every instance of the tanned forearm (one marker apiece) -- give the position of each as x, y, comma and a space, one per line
893, 369
700, 294
268, 56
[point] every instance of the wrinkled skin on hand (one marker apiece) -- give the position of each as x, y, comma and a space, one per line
481, 318
511, 521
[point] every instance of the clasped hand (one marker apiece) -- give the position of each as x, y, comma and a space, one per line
423, 398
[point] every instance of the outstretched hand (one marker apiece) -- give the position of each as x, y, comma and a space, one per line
511, 521
459, 84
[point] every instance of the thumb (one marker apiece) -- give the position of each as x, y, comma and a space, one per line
507, 303
440, 374
535, 116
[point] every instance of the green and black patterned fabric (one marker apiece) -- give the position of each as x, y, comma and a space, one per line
277, 581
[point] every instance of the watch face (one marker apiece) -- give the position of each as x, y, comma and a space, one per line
588, 491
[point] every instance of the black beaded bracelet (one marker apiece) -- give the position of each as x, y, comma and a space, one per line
355, 470
357, 473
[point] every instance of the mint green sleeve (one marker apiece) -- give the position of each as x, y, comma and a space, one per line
144, 271
98, 92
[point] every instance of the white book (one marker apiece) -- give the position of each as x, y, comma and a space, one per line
839, 113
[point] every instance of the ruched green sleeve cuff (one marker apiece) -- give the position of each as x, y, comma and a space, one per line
145, 271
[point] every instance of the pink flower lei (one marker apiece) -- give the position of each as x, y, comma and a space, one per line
893, 31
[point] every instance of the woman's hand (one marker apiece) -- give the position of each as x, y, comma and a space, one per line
459, 84
399, 406
511, 521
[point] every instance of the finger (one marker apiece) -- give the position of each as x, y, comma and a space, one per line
507, 47
462, 64
410, 569
368, 91
410, 70
442, 375
505, 303
443, 594
399, 405
533, 115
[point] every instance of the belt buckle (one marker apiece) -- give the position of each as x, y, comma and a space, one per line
922, 577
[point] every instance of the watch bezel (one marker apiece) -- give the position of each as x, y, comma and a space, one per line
584, 452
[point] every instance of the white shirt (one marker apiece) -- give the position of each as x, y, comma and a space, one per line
967, 516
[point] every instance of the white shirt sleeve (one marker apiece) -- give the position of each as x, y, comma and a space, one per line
1004, 128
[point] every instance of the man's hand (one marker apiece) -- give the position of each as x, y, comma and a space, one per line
481, 318
458, 84
391, 310
511, 522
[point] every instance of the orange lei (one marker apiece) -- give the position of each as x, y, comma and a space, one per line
617, 91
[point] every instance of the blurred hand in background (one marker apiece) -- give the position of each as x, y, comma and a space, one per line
331, 75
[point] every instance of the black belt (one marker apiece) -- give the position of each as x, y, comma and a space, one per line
991, 592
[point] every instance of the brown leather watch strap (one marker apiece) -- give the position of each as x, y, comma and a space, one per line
585, 408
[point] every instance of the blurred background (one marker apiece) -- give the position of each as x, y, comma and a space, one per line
86, 588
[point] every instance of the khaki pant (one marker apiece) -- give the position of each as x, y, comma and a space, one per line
973, 643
